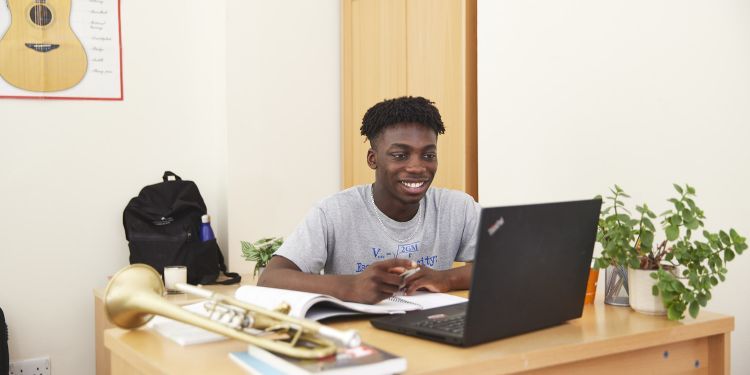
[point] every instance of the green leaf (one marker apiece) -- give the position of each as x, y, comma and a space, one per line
679, 206
702, 299
677, 286
647, 241
655, 290
694, 307
728, 255
623, 218
690, 190
648, 224
673, 313
664, 286
691, 203
735, 236
725, 238
261, 250
672, 232
675, 220
740, 247
634, 263
678, 188
692, 224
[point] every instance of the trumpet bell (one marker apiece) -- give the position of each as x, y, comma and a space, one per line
134, 296
118, 296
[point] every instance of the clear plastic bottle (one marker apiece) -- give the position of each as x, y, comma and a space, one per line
207, 234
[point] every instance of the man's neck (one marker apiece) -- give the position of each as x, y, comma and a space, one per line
391, 207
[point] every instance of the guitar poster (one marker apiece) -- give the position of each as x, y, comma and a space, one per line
60, 49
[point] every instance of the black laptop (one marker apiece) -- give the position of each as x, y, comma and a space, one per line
530, 271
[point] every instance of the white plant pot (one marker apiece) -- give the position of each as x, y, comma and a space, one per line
260, 272
641, 300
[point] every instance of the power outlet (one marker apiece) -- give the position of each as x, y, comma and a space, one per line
33, 366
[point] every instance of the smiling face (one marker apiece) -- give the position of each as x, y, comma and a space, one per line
404, 157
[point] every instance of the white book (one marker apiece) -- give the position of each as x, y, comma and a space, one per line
362, 360
182, 333
320, 306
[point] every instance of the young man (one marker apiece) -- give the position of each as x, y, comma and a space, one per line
366, 236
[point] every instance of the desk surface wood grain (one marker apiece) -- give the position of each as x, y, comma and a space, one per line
601, 336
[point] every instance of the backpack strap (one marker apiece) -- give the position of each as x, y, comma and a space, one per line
234, 277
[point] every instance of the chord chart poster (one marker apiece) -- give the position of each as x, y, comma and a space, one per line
61, 49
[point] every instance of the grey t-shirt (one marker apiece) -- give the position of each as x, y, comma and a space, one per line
345, 233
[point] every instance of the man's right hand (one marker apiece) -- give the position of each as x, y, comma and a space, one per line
376, 283
379, 281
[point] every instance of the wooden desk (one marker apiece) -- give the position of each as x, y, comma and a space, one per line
606, 339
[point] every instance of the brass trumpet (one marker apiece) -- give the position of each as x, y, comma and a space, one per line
134, 296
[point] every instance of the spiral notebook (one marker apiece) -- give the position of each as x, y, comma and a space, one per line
320, 306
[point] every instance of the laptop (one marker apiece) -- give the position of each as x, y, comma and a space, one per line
530, 272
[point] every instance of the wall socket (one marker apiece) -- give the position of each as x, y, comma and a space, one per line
32, 366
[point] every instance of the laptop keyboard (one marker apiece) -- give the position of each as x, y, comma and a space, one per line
452, 324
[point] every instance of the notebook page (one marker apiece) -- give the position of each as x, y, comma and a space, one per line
429, 300
271, 298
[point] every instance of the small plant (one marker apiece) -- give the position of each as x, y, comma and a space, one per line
260, 251
686, 268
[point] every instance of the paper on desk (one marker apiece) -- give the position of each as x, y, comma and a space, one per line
181, 333
429, 300
185, 334
425, 300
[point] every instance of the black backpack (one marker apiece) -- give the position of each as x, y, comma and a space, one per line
162, 225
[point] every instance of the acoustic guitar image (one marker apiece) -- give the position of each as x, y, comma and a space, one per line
40, 52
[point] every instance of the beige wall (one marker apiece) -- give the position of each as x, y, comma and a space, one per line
284, 111
238, 91
69, 168
556, 84
575, 96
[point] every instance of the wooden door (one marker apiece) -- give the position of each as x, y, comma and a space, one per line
427, 48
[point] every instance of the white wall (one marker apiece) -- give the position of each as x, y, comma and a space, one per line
575, 96
284, 113
69, 168
231, 92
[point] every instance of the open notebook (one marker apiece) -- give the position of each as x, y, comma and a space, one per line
320, 306
310, 305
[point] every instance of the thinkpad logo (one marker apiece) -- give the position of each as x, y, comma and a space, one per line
163, 221
494, 227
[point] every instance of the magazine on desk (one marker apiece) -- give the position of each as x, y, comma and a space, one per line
320, 306
362, 360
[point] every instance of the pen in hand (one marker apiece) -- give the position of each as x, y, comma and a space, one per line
404, 275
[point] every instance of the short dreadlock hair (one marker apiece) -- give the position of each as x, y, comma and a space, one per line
406, 109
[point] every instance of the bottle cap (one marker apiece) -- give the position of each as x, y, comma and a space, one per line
205, 219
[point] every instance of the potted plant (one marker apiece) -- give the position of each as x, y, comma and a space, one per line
260, 251
682, 268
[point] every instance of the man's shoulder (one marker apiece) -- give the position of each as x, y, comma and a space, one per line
347, 197
443, 196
